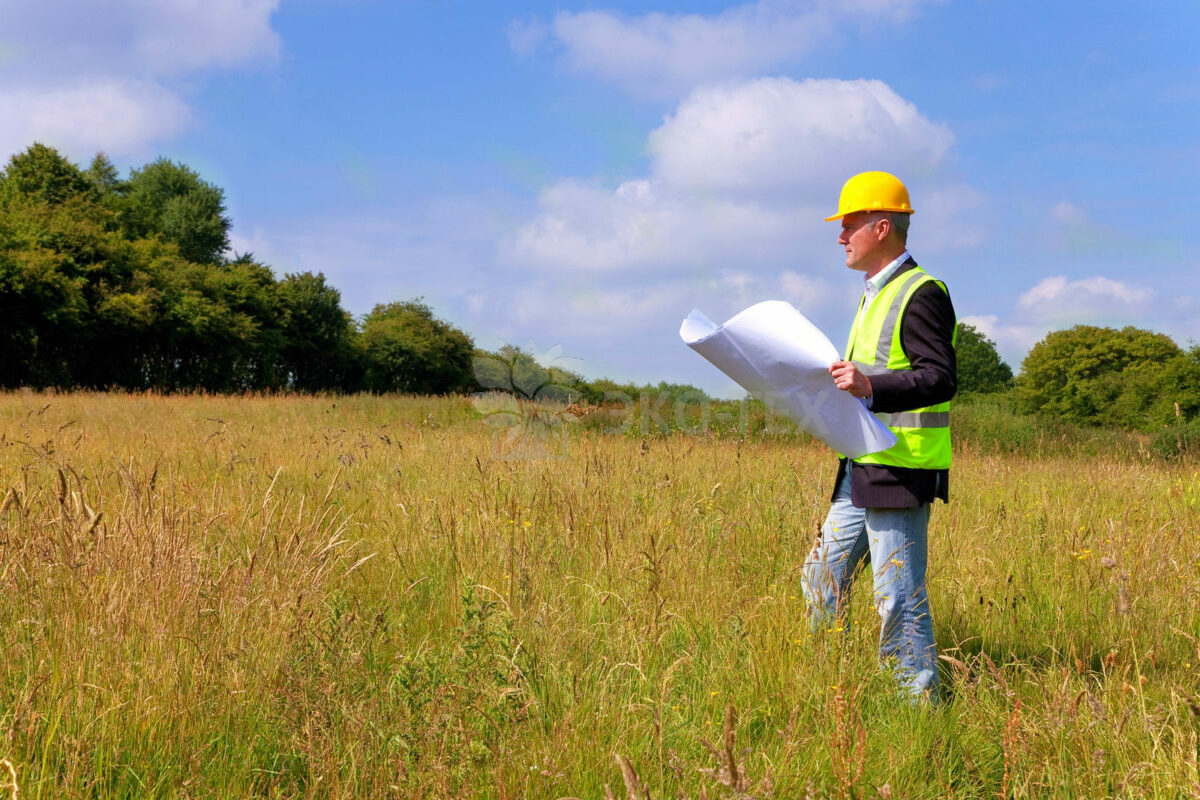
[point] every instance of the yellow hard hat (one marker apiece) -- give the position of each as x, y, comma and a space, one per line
872, 191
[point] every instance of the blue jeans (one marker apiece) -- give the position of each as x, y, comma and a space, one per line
895, 543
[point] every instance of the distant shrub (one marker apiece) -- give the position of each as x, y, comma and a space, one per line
993, 423
1180, 440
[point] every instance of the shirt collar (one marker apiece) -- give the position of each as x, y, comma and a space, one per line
873, 285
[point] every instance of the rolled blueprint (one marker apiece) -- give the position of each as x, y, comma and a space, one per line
777, 355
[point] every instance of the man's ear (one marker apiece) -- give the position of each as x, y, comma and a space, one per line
887, 230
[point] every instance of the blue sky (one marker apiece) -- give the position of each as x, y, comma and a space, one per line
584, 174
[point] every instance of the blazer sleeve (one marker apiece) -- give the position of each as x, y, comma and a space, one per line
927, 335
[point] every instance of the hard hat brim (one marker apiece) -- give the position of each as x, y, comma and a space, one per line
841, 214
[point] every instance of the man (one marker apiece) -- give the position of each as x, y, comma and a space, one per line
900, 362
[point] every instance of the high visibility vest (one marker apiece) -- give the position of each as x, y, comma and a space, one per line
922, 434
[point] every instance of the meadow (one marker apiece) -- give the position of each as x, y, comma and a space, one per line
328, 597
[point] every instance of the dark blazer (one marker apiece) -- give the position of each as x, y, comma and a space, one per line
927, 336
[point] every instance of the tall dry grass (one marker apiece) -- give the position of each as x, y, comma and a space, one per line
354, 597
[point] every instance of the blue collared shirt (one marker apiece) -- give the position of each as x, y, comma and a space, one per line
873, 285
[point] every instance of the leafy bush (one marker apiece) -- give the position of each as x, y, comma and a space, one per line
1180, 440
995, 423
1128, 378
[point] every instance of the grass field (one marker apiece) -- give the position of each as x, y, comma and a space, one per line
355, 597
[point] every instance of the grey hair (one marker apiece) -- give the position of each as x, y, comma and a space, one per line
897, 222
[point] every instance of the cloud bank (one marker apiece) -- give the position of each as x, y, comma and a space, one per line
662, 55
741, 174
85, 78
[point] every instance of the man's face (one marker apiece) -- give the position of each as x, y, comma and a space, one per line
862, 239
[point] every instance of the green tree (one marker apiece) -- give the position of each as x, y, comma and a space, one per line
223, 329
979, 366
172, 200
103, 177
1128, 377
56, 259
41, 174
407, 349
318, 350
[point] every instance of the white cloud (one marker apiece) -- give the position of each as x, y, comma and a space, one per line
1058, 297
644, 224
585, 227
777, 133
1057, 302
741, 178
159, 37
661, 54
197, 34
987, 324
114, 116
85, 78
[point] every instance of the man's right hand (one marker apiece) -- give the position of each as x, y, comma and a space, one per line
847, 378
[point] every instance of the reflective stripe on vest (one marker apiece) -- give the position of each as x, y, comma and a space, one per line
923, 419
922, 434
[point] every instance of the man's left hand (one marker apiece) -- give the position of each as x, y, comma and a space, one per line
847, 378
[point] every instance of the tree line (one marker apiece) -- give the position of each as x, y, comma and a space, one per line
128, 283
